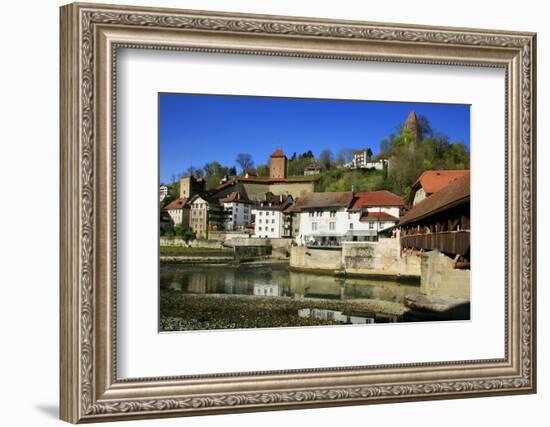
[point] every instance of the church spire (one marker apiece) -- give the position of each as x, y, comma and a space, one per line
412, 125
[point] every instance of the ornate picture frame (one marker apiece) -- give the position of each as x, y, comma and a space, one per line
90, 37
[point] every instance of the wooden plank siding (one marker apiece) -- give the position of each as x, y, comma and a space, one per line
450, 242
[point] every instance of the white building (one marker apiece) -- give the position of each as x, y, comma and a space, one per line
323, 218
328, 219
269, 218
237, 211
362, 160
373, 212
178, 210
163, 192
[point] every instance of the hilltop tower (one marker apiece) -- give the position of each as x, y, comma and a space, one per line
412, 125
277, 164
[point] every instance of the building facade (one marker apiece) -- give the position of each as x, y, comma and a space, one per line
163, 192
323, 218
373, 212
205, 215
328, 219
313, 169
363, 160
237, 211
269, 217
178, 210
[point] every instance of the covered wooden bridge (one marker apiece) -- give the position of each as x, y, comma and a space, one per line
441, 221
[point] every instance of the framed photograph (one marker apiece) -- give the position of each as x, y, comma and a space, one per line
266, 213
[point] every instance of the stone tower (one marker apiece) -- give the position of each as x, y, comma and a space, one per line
277, 164
412, 125
189, 186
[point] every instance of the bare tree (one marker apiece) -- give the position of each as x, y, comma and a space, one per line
345, 155
325, 158
244, 160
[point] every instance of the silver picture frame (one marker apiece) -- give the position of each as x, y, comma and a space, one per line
90, 37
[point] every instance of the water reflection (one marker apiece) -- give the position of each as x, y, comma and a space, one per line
274, 280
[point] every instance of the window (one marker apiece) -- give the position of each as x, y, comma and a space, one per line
331, 226
351, 225
260, 213
260, 221
272, 230
332, 214
371, 225
259, 228
311, 214
313, 226
272, 221
319, 213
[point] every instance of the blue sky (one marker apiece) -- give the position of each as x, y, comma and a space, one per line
198, 129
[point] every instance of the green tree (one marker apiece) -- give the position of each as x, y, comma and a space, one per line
262, 171
409, 160
184, 233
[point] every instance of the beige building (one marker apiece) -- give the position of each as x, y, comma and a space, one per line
205, 215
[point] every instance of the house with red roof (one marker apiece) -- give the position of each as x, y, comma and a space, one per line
372, 212
177, 210
432, 181
331, 218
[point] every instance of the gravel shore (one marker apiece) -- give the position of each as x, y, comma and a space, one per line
180, 311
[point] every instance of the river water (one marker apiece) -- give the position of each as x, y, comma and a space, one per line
269, 295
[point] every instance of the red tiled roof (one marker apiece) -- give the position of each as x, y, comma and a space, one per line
434, 180
176, 204
377, 216
375, 198
234, 197
278, 153
457, 192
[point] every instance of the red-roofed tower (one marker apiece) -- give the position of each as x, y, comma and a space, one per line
277, 164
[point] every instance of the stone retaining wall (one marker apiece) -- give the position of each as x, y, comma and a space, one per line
439, 278
315, 259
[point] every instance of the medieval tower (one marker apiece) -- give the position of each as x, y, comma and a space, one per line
412, 125
277, 165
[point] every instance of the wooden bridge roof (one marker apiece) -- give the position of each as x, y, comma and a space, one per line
454, 194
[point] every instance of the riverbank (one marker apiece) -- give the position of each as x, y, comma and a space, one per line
180, 311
